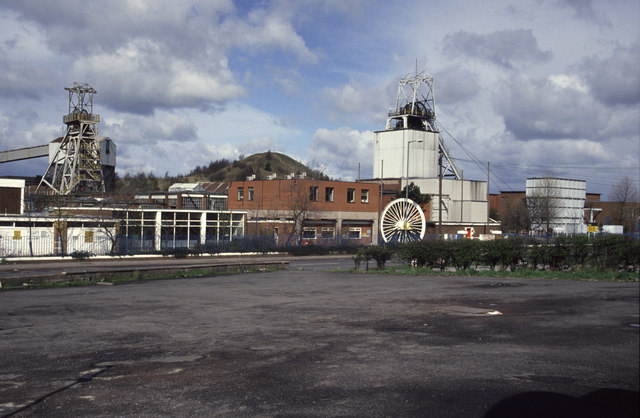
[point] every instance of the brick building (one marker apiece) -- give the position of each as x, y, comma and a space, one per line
309, 211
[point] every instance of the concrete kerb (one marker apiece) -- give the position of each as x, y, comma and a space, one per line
103, 275
45, 259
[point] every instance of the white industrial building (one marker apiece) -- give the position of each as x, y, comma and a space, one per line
561, 202
410, 148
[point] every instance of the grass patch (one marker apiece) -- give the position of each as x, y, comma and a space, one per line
576, 274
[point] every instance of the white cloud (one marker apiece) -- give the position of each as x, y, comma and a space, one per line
614, 78
341, 150
358, 103
150, 130
138, 78
505, 48
541, 108
567, 81
264, 31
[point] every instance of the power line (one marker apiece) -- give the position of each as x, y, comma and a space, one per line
475, 160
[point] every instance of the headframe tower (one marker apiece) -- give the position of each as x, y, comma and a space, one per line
76, 165
413, 121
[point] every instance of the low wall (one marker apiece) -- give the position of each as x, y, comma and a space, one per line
137, 273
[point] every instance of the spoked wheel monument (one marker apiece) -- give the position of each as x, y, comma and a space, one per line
402, 221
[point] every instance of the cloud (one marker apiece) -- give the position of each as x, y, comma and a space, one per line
164, 126
614, 79
547, 108
341, 150
256, 145
503, 48
583, 9
265, 30
456, 84
80, 27
29, 68
355, 102
138, 78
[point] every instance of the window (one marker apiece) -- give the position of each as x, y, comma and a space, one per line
191, 202
313, 193
240, 193
354, 233
250, 193
308, 233
351, 195
328, 233
329, 194
364, 196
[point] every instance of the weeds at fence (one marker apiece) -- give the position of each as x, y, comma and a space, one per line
577, 274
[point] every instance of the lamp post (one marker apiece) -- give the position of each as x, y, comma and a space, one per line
406, 192
407, 184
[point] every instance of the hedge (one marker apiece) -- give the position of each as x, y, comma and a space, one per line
604, 252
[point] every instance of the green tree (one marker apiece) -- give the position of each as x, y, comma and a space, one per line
414, 194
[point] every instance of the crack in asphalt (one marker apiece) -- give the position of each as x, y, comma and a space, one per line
85, 377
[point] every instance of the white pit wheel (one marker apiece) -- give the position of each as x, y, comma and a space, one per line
402, 221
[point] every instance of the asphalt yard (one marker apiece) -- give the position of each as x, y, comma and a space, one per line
306, 342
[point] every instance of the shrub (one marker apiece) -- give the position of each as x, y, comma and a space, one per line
578, 249
376, 252
426, 253
465, 253
537, 253
491, 253
80, 255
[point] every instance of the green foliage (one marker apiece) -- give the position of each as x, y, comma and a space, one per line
465, 253
414, 194
422, 253
614, 252
492, 253
379, 253
604, 252
80, 255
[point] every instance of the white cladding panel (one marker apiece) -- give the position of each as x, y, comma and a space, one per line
390, 147
465, 201
567, 198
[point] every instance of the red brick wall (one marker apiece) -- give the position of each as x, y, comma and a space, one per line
283, 194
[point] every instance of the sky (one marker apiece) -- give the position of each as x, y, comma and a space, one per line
533, 87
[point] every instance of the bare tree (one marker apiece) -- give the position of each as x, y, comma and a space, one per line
542, 205
626, 198
515, 216
298, 203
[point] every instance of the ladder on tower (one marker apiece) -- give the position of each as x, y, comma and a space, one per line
449, 168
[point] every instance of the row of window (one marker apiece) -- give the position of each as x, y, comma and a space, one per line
328, 233
314, 194
250, 193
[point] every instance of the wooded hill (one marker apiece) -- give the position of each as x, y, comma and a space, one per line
261, 165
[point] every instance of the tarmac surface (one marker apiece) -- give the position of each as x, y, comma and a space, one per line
307, 342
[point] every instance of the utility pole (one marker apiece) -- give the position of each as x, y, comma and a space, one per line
440, 196
461, 197
486, 227
380, 198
